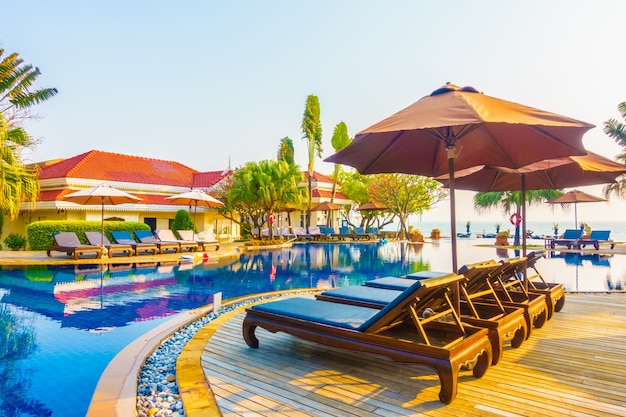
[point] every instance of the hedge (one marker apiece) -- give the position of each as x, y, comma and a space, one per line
39, 234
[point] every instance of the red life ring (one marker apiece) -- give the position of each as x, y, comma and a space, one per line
516, 219
272, 218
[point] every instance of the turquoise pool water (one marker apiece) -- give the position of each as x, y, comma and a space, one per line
72, 321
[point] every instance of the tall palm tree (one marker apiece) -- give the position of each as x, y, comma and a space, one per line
511, 201
285, 150
340, 140
312, 132
617, 131
16, 80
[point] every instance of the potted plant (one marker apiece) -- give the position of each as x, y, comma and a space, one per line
555, 226
435, 234
15, 241
415, 235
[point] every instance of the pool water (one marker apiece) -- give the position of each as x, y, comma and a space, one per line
77, 318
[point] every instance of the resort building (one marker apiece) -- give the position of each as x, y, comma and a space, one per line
152, 180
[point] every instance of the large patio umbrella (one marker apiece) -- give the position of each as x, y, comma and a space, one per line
371, 206
557, 173
101, 194
575, 197
327, 207
457, 128
195, 198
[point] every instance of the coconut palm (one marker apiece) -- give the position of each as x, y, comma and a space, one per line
312, 132
285, 150
617, 131
511, 202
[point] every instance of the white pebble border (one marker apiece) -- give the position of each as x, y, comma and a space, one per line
157, 389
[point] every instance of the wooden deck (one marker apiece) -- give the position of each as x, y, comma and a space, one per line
574, 365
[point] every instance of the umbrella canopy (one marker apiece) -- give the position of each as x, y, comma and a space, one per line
101, 194
572, 171
575, 197
326, 206
457, 128
371, 206
195, 198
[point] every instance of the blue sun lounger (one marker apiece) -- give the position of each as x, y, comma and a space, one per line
403, 330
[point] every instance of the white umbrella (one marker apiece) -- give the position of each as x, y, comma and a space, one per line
101, 194
197, 198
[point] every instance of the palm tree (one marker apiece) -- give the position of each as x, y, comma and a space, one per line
617, 131
17, 182
16, 79
285, 150
312, 132
340, 140
511, 201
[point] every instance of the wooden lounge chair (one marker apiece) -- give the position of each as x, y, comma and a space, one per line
146, 236
504, 323
68, 242
503, 287
124, 237
554, 292
595, 238
95, 238
405, 330
286, 233
301, 233
344, 232
359, 233
316, 233
203, 244
570, 238
166, 235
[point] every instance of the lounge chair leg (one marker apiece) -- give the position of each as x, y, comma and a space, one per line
520, 336
248, 334
558, 306
540, 319
448, 380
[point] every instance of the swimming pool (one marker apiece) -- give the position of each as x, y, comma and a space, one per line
80, 317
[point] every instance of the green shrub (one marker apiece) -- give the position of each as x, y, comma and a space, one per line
182, 221
39, 234
15, 241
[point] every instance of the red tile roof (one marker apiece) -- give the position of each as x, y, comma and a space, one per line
152, 199
328, 194
318, 177
109, 166
208, 179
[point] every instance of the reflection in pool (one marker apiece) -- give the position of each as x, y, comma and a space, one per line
80, 317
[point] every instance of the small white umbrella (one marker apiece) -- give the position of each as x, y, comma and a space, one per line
195, 198
101, 194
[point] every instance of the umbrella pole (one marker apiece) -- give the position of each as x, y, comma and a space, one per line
102, 248
457, 290
523, 197
575, 216
195, 211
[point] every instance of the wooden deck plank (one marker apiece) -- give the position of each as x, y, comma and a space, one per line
574, 365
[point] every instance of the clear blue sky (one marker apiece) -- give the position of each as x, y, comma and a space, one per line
200, 82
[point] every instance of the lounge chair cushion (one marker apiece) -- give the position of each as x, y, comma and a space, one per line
391, 283
333, 314
123, 236
427, 274
364, 293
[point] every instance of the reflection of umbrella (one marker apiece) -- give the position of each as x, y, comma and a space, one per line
575, 197
458, 128
101, 194
195, 198
556, 173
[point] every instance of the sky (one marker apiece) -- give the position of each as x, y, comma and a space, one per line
208, 83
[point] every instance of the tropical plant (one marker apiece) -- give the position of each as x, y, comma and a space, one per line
16, 80
617, 131
511, 201
285, 150
405, 194
259, 188
340, 140
15, 241
17, 182
312, 132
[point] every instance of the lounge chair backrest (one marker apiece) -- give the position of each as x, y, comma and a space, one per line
344, 231
299, 230
572, 234
373, 230
315, 230
123, 236
599, 235
166, 235
422, 293
284, 231
187, 234
68, 239
145, 236
95, 238
359, 231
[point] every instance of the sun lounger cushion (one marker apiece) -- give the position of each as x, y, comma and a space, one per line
363, 293
391, 283
427, 274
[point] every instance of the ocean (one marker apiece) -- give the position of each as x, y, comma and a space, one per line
540, 228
